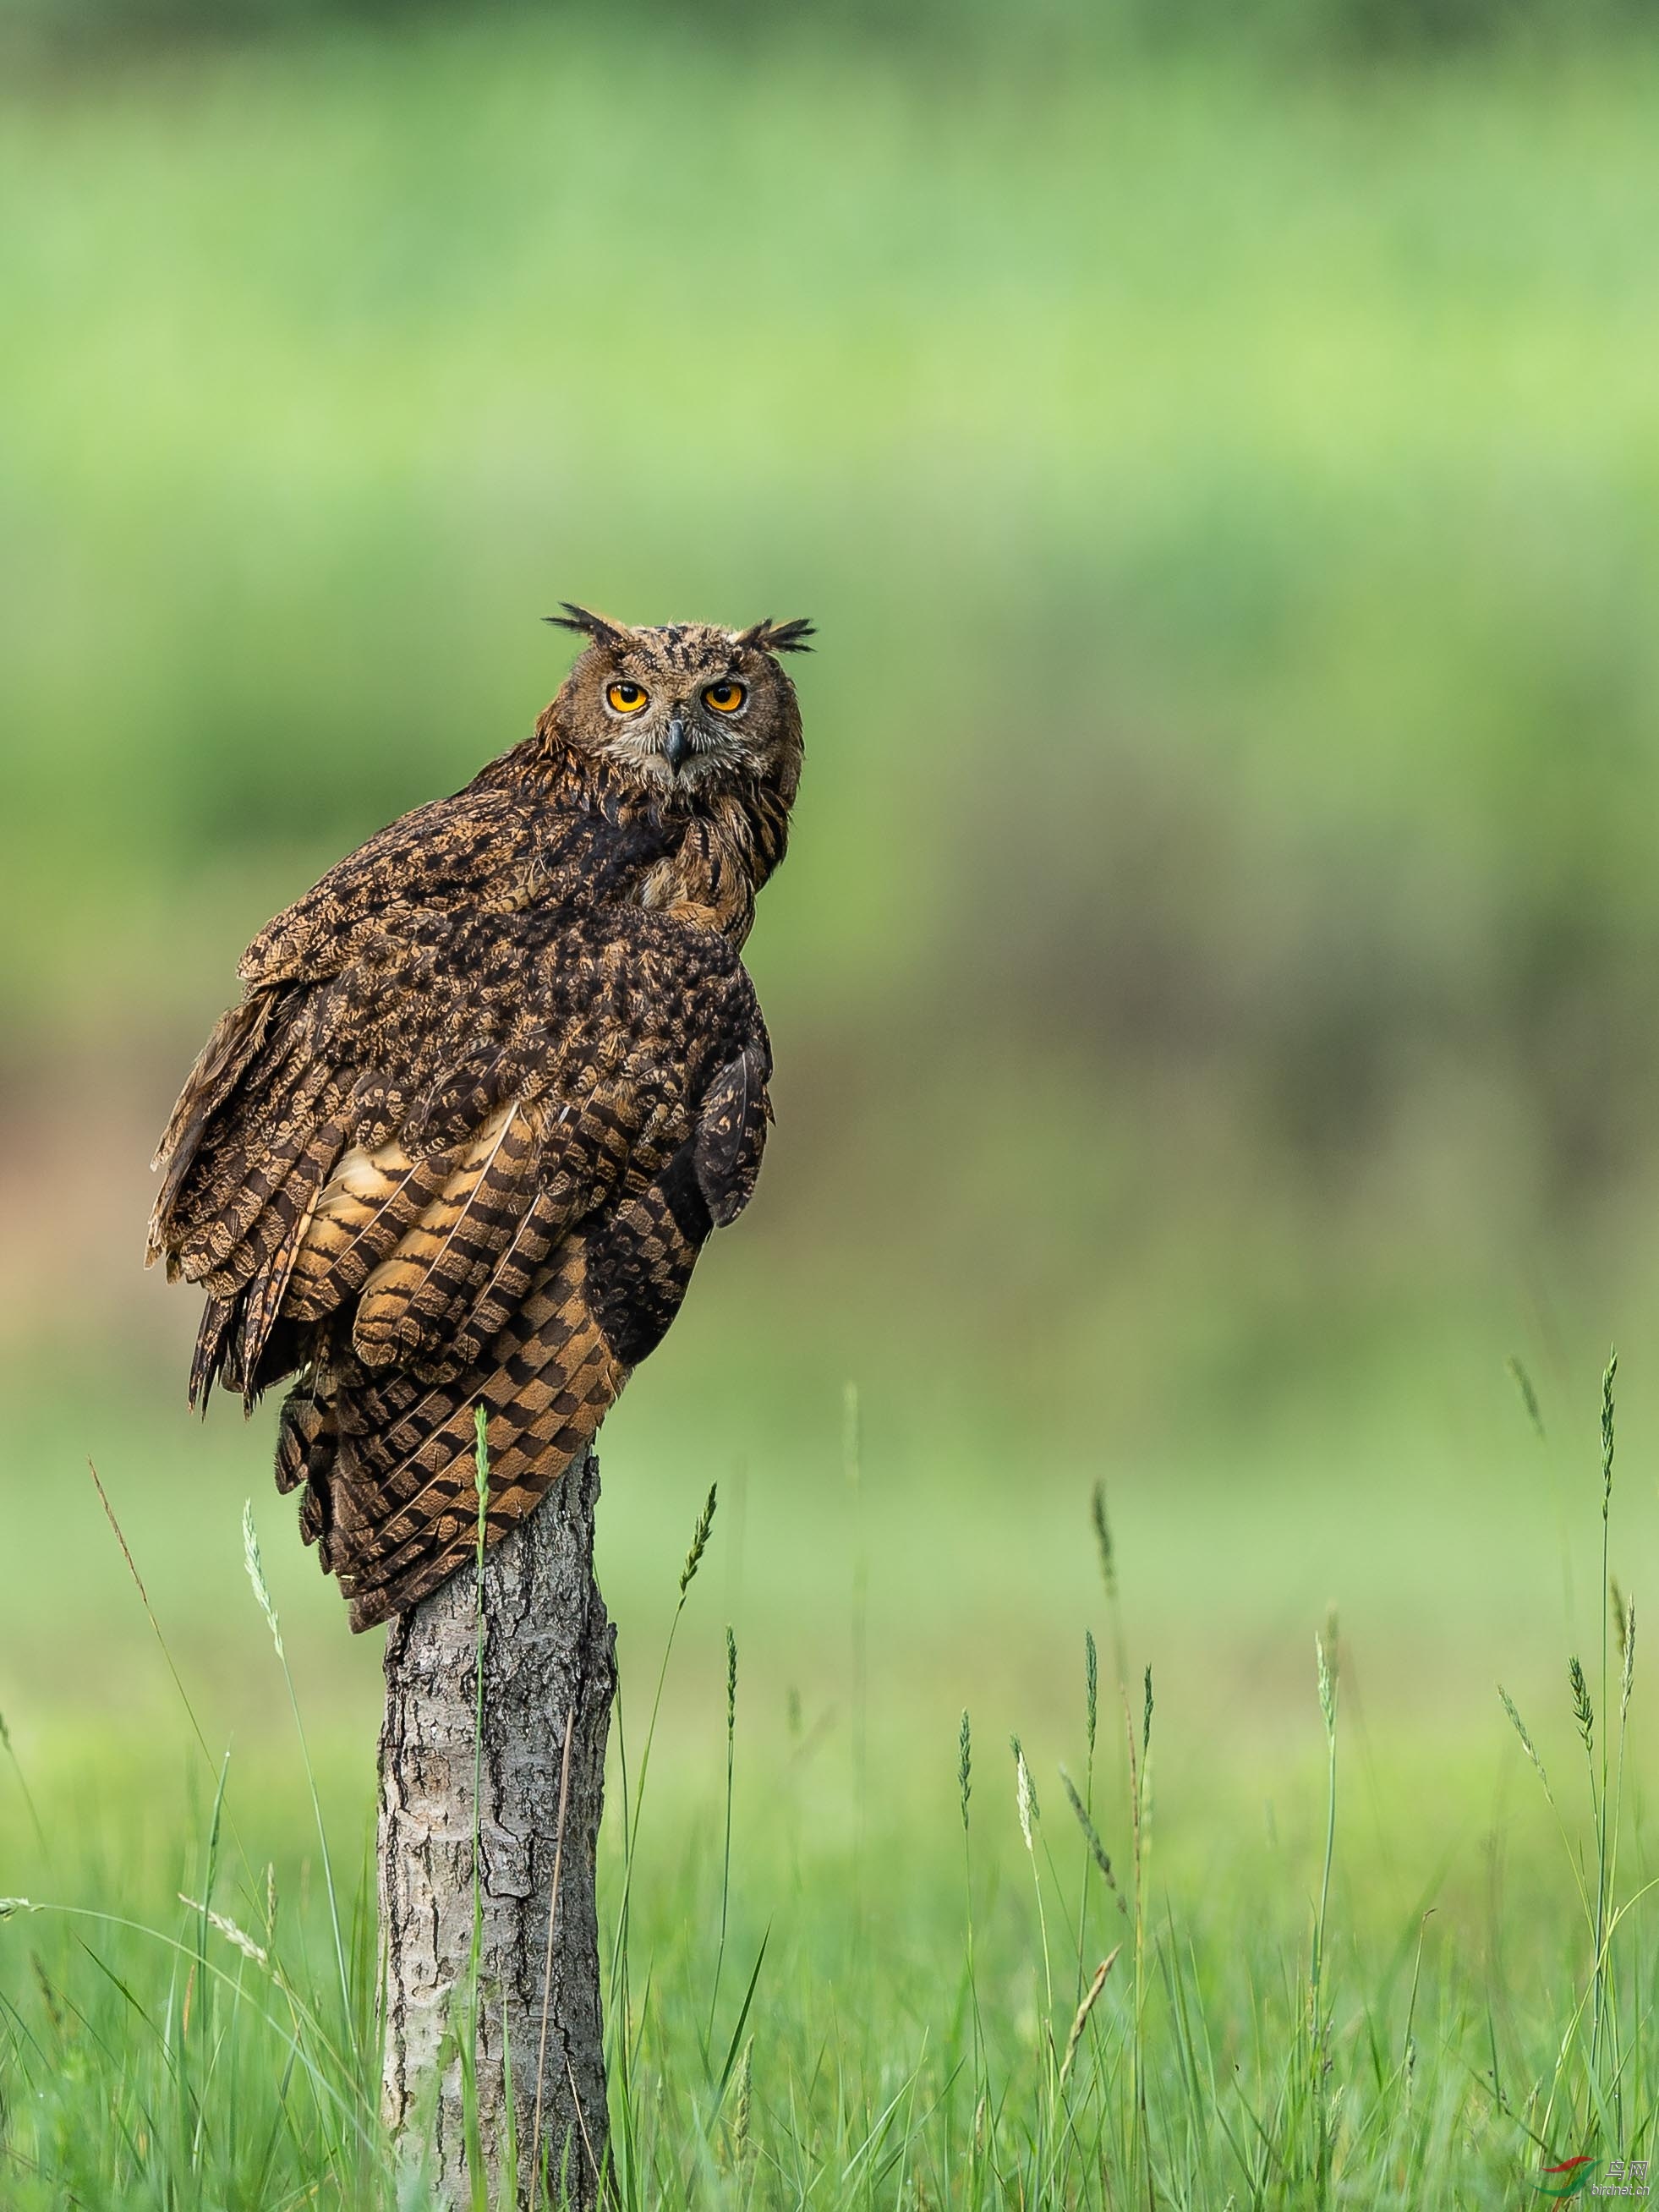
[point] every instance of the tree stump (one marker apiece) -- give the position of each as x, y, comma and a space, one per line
549, 1664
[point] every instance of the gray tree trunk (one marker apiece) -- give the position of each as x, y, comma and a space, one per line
548, 1662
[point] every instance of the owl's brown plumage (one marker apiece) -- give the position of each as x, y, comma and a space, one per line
491, 1083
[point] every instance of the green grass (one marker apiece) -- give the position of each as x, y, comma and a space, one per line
856, 1976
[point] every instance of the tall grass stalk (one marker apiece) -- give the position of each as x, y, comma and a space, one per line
852, 1452
725, 1853
176, 1678
1106, 1549
256, 1574
1604, 1852
1140, 1832
1598, 2071
149, 1611
619, 2023
1090, 1715
964, 1794
1029, 1813
1327, 1658
1626, 1682
538, 2179
10, 1750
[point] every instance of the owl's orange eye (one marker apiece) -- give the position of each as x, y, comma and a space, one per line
725, 698
626, 698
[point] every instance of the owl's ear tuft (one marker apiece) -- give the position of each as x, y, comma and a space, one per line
586, 623
778, 637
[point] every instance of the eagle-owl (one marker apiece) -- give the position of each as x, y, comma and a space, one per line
490, 1084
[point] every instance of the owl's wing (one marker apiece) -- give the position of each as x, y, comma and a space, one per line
469, 1167
484, 851
473, 847
283, 1161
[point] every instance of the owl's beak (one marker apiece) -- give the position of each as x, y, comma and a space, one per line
678, 745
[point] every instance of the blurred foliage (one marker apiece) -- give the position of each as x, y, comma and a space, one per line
1219, 937
1050, 31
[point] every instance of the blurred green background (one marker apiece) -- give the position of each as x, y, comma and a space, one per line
1214, 982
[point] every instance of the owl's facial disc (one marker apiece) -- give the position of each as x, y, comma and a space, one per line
687, 709
680, 727
669, 734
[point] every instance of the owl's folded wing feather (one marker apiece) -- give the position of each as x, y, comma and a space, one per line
467, 850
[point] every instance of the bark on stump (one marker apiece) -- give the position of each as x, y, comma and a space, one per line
549, 1654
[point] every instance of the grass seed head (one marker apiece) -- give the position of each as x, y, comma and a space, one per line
699, 1542
730, 1683
1146, 1716
480, 1485
1583, 1713
1627, 1654
1609, 1374
1529, 1396
1520, 1727
1326, 1652
1090, 1835
481, 1454
256, 1574
244, 1942
1104, 1538
741, 2111
1083, 2010
964, 1766
1026, 1798
1091, 1686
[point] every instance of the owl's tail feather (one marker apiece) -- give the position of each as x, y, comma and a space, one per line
362, 1432
549, 1380
218, 1316
305, 1438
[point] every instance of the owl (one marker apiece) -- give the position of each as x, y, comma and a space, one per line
490, 1084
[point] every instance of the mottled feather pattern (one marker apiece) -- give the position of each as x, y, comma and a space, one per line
494, 1079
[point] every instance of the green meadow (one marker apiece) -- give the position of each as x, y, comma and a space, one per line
1213, 988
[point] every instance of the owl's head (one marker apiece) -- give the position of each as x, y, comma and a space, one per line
688, 709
